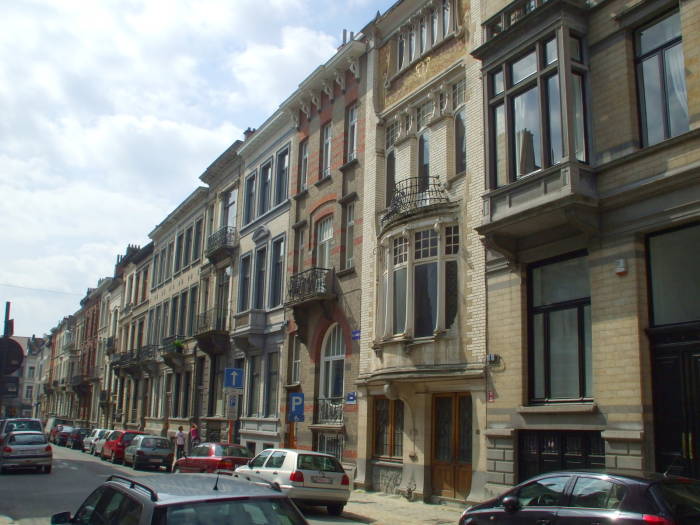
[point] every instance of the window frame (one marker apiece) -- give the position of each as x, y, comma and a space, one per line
395, 450
303, 164
333, 342
281, 177
244, 282
265, 186
321, 243
276, 272
250, 193
260, 279
326, 152
349, 235
351, 118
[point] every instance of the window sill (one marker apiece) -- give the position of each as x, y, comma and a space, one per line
323, 181
352, 196
349, 164
346, 272
301, 194
387, 462
560, 408
293, 386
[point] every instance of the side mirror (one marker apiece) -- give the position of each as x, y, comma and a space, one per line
61, 517
511, 504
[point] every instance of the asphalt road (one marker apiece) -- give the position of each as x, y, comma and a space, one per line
32, 498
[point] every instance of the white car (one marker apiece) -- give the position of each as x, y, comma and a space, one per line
99, 442
89, 441
310, 478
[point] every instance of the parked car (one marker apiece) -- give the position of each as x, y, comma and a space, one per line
52, 422
117, 441
88, 440
98, 444
26, 449
61, 435
183, 499
75, 438
16, 424
210, 457
149, 451
593, 497
310, 478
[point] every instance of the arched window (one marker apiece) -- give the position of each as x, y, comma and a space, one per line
333, 364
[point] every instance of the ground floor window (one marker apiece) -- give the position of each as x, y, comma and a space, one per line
541, 451
331, 443
388, 428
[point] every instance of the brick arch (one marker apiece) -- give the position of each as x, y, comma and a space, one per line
337, 316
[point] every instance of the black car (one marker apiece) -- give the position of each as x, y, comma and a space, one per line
578, 497
76, 436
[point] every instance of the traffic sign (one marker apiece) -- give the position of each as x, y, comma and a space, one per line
233, 401
296, 406
11, 356
233, 378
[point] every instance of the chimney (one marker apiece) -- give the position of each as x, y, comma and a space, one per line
345, 36
248, 132
352, 36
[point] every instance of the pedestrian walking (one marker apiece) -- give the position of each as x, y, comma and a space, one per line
180, 442
194, 436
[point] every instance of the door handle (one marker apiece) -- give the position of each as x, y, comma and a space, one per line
274, 473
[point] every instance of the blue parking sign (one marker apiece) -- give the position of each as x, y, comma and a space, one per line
233, 378
296, 406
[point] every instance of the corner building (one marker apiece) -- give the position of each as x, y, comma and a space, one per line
591, 217
422, 370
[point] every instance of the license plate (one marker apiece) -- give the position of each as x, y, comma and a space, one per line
317, 479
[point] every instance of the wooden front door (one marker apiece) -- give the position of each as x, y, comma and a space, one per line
451, 462
676, 391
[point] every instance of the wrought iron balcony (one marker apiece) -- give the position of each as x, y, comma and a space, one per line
212, 332
104, 397
413, 195
330, 410
314, 284
172, 350
110, 345
148, 353
222, 243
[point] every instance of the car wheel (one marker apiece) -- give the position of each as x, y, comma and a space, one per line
47, 469
335, 509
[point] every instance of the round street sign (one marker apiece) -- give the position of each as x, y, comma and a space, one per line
11, 355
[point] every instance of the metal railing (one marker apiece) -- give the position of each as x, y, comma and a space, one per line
310, 284
213, 320
225, 238
148, 353
330, 410
172, 345
512, 14
412, 194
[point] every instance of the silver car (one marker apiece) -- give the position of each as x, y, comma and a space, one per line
98, 443
310, 478
149, 451
26, 449
89, 441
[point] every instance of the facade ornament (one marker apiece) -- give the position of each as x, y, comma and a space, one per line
340, 78
327, 89
316, 100
305, 109
294, 115
354, 67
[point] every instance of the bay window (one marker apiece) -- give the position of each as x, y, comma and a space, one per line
527, 96
418, 296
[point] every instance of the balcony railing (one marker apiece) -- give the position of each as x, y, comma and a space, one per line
411, 195
309, 285
512, 14
110, 345
148, 353
330, 410
213, 320
172, 345
225, 239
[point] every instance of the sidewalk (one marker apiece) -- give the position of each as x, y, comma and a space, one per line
377, 508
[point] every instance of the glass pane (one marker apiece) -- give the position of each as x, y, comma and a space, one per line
538, 356
460, 144
499, 147
550, 51
398, 429
399, 300
523, 68
338, 367
674, 254
563, 351
381, 426
443, 429
526, 131
464, 443
560, 281
425, 295
675, 90
579, 126
653, 101
592, 493
576, 51
451, 297
543, 493
556, 141
497, 79
587, 352
659, 33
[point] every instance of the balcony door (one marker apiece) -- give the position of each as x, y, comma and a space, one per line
330, 402
451, 464
324, 240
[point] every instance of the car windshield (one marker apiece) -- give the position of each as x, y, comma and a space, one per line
27, 439
128, 438
83, 431
683, 497
67, 429
322, 463
233, 451
277, 511
155, 443
23, 425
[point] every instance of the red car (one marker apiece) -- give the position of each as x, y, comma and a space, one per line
208, 457
117, 441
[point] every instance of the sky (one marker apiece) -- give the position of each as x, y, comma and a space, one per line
110, 112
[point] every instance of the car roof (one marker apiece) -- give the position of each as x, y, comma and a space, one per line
632, 475
301, 451
184, 488
22, 432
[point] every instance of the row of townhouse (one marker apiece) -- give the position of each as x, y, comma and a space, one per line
465, 253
